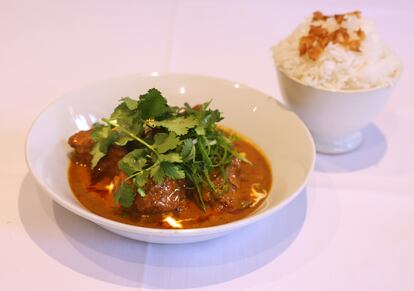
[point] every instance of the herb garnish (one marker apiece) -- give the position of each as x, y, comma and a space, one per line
166, 141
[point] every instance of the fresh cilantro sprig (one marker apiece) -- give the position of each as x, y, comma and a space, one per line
155, 161
164, 142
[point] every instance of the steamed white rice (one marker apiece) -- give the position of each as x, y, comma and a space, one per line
338, 68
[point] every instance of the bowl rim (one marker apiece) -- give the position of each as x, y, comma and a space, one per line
80, 210
345, 91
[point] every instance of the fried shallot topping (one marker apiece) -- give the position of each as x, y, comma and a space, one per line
318, 37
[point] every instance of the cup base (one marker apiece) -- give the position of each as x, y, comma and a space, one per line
338, 146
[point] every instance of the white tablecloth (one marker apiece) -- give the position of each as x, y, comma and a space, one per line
351, 229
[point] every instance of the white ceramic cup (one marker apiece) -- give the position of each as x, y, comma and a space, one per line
335, 118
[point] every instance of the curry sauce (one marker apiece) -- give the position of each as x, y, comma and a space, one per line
254, 181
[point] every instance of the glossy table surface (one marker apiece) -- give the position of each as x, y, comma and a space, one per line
351, 229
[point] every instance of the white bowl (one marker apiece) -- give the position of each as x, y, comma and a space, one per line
335, 118
279, 132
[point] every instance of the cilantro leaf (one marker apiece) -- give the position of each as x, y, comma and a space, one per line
157, 173
101, 132
123, 139
133, 162
188, 150
206, 117
211, 117
179, 125
97, 154
103, 137
172, 171
200, 130
141, 179
124, 195
141, 192
164, 142
201, 145
131, 104
126, 115
171, 157
152, 104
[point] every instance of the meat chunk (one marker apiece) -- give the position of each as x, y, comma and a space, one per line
108, 165
233, 173
161, 198
225, 196
82, 141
